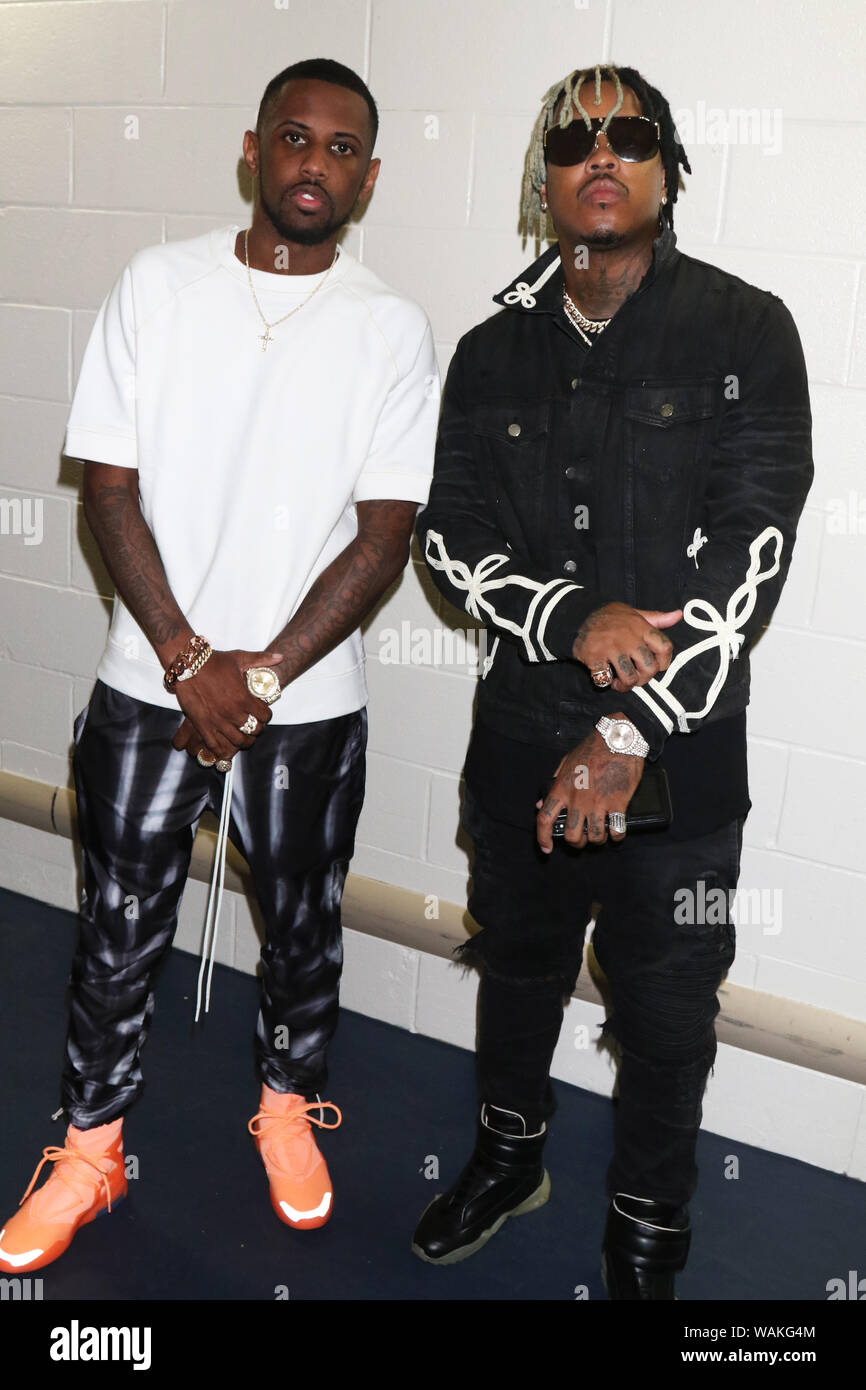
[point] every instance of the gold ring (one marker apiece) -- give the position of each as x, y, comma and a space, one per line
249, 725
602, 677
223, 765
204, 762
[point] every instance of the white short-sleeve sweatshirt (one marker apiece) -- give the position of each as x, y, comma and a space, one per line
250, 460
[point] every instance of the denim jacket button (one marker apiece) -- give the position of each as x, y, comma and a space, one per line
571, 471
666, 410
575, 382
570, 566
514, 430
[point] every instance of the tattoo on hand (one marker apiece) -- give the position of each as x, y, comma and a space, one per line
614, 777
592, 621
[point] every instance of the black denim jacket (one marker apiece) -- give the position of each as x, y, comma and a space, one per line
689, 420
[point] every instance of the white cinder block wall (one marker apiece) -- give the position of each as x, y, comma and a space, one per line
121, 125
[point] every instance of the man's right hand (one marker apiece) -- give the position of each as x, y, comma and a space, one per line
628, 641
216, 702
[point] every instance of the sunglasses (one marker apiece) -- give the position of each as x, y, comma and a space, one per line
632, 138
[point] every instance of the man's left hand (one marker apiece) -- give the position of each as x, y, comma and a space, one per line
589, 783
190, 739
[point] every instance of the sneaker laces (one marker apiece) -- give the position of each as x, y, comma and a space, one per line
291, 1124
215, 896
53, 1154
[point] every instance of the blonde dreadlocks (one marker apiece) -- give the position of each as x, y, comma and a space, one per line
532, 220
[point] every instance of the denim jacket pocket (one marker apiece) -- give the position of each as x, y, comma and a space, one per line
666, 429
665, 425
510, 436
669, 404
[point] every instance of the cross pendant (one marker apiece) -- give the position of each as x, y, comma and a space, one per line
265, 338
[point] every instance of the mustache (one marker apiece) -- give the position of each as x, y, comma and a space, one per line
602, 178
308, 186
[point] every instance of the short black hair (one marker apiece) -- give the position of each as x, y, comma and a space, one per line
318, 70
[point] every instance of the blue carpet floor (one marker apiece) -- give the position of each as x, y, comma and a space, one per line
198, 1224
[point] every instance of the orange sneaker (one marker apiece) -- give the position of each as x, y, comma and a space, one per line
301, 1192
88, 1178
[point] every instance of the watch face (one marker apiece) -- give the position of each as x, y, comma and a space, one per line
621, 736
262, 682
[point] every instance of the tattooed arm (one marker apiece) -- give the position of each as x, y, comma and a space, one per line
338, 601
113, 513
352, 584
216, 701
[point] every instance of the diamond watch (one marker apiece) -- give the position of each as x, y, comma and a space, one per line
621, 736
263, 683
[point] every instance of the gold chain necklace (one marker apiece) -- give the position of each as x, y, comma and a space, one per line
267, 336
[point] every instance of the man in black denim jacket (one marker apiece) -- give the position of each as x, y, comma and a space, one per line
623, 456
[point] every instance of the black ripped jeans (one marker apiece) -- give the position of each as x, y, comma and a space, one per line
663, 971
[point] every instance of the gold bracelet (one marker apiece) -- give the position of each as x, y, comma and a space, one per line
188, 663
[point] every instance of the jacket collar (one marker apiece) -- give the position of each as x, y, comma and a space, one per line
538, 288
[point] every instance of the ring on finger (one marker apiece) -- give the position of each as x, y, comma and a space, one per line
223, 765
249, 725
202, 760
616, 822
602, 677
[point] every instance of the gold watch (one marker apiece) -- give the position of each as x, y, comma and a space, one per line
263, 683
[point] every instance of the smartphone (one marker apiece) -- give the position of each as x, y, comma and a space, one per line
649, 809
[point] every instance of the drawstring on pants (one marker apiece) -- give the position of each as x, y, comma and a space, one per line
215, 896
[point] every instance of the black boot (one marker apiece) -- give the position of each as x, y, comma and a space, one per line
504, 1177
645, 1244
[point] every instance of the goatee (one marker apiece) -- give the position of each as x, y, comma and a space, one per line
603, 239
300, 235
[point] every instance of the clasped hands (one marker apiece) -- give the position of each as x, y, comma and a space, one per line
591, 781
216, 703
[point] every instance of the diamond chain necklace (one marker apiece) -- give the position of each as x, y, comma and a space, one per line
580, 321
267, 336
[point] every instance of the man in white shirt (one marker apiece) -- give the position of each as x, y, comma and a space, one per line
256, 415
